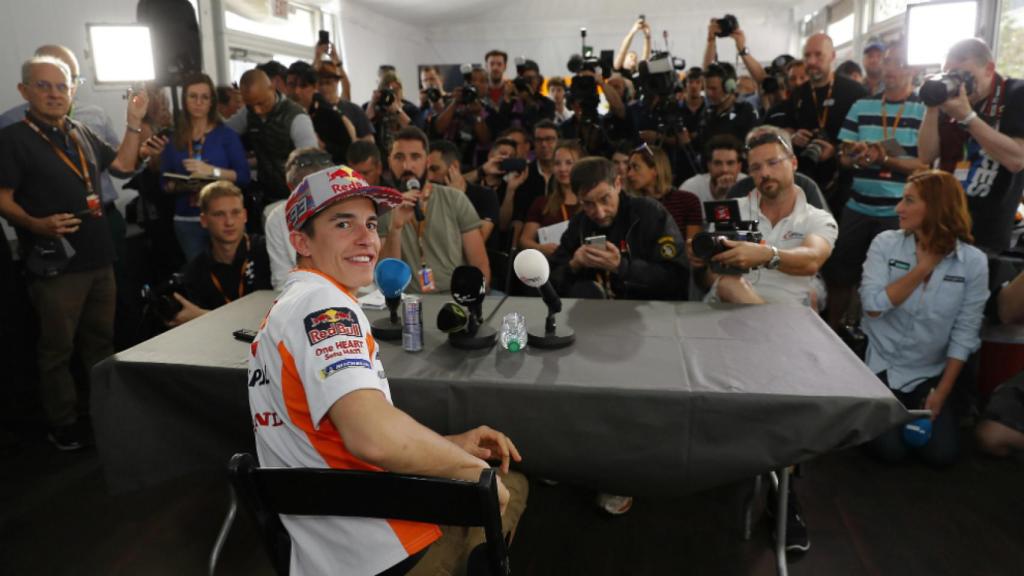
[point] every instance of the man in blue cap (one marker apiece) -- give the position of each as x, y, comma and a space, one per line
874, 54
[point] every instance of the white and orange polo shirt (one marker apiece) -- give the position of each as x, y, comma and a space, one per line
313, 348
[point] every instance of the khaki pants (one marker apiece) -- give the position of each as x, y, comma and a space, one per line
68, 305
449, 554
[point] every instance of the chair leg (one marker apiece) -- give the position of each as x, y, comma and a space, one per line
225, 529
748, 509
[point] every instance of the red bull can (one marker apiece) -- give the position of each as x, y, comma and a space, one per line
412, 323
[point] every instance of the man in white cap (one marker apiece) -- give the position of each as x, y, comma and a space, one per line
320, 398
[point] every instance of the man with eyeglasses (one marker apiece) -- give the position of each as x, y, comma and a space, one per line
50, 168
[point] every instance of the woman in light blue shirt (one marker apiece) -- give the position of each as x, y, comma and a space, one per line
923, 292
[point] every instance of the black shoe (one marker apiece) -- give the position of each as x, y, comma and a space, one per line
797, 539
67, 438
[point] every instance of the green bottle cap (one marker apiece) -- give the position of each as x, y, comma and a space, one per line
513, 345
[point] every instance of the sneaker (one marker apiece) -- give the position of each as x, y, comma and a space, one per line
797, 539
613, 504
67, 438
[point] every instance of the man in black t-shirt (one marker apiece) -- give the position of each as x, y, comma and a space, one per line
50, 168
332, 128
233, 263
817, 110
978, 135
444, 168
723, 113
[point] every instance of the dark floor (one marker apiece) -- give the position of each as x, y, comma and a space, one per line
56, 518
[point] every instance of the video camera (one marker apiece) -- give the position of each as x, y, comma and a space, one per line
161, 299
813, 150
724, 217
658, 76
939, 88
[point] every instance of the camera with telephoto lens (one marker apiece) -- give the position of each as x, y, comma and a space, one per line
939, 88
386, 99
725, 220
161, 299
727, 25
469, 94
814, 150
433, 95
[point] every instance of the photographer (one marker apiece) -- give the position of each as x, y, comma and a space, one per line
880, 145
433, 98
234, 264
626, 60
523, 105
50, 167
724, 163
330, 75
724, 114
596, 132
978, 135
729, 27
618, 246
388, 110
557, 91
466, 120
693, 101
334, 130
816, 112
798, 237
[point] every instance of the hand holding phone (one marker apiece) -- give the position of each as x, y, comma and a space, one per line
596, 241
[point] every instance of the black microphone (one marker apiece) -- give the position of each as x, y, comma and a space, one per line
469, 289
532, 268
452, 318
414, 184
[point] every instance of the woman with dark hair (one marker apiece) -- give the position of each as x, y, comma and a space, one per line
650, 174
923, 292
203, 149
558, 204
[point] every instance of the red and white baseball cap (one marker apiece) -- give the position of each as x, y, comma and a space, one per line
321, 189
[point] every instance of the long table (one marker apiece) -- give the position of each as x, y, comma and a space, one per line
653, 396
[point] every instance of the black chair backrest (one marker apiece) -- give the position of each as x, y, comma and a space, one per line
268, 492
811, 190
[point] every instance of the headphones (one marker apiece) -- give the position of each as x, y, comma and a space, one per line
727, 73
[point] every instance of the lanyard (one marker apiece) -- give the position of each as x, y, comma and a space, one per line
241, 276
421, 226
995, 103
896, 121
198, 153
565, 213
822, 116
83, 171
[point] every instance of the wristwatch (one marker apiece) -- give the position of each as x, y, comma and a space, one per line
216, 173
744, 52
968, 119
775, 260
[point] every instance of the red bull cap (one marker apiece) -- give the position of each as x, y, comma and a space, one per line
321, 189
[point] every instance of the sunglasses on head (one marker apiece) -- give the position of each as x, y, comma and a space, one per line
767, 138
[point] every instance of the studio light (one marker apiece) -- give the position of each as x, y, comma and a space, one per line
121, 53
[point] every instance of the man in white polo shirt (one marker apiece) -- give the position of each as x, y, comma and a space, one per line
320, 398
798, 238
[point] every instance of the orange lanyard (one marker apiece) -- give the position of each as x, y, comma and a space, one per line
241, 277
421, 226
83, 171
565, 213
896, 122
822, 115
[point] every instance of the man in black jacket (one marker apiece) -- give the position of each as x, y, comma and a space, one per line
618, 246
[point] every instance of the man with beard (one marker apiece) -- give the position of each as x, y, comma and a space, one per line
724, 155
817, 111
436, 229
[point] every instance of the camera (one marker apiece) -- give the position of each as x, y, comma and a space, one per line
386, 99
726, 25
657, 75
939, 88
724, 216
512, 165
584, 88
161, 299
469, 94
521, 84
433, 94
813, 150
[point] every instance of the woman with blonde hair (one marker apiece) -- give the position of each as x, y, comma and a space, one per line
558, 205
923, 292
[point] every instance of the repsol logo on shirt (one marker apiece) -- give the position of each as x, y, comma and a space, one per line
266, 420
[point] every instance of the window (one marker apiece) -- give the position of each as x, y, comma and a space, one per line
299, 28
932, 28
885, 9
1009, 56
842, 31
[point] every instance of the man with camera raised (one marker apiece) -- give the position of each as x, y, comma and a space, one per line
975, 127
729, 27
817, 110
466, 120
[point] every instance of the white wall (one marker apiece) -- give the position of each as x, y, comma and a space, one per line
548, 32
371, 39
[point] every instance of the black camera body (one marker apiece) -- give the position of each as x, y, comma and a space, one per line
433, 95
521, 84
724, 217
512, 165
161, 299
813, 150
386, 99
469, 94
727, 25
939, 88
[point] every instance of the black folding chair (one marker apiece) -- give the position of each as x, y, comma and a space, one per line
268, 492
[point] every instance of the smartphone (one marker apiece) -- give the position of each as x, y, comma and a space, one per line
598, 241
325, 37
81, 214
166, 133
512, 165
244, 334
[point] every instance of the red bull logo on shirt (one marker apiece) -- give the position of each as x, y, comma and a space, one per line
331, 322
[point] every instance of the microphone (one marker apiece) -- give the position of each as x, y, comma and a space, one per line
452, 318
391, 276
463, 319
469, 289
532, 269
414, 184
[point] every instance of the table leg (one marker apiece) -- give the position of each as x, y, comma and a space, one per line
748, 509
781, 481
222, 536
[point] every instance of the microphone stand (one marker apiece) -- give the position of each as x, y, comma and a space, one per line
554, 336
477, 335
389, 328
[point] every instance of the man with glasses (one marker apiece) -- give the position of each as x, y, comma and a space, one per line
50, 168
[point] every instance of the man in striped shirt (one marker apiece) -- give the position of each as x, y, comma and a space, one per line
879, 143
